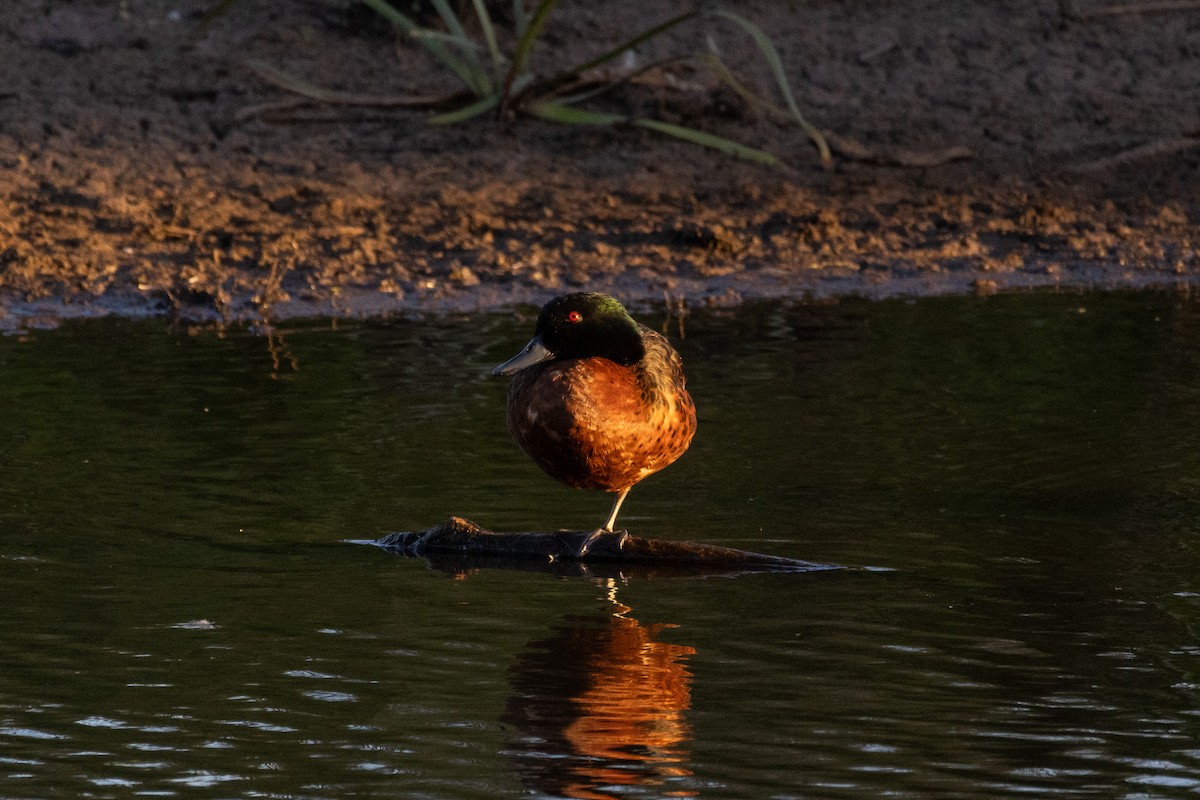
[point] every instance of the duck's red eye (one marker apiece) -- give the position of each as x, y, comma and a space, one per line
574, 316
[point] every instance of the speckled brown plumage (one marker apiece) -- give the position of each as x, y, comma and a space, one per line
594, 424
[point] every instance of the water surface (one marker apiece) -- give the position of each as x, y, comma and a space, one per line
185, 618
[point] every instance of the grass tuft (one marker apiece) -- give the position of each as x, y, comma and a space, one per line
500, 80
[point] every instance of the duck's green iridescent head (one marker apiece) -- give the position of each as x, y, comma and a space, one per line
580, 325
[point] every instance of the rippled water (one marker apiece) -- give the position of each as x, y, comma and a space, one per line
184, 616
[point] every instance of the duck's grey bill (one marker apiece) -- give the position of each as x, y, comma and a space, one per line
534, 353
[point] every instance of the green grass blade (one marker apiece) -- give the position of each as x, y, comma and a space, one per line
520, 18
726, 146
433, 42
745, 92
601, 88
399, 20
474, 78
469, 48
767, 47
481, 106
474, 70
291, 83
453, 23
470, 67
467, 45
489, 36
769, 53
629, 44
525, 43
569, 115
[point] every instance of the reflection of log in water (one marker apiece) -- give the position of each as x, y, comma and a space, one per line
461, 541
598, 704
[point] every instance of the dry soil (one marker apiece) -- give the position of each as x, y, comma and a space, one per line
979, 145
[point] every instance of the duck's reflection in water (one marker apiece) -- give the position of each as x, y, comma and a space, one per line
600, 707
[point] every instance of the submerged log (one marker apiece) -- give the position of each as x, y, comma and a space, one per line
468, 545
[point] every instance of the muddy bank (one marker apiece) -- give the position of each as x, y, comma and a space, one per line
146, 168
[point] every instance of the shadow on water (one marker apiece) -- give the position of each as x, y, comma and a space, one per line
182, 613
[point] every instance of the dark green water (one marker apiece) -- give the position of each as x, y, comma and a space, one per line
182, 615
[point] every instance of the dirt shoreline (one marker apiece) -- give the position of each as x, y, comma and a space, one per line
19, 313
146, 169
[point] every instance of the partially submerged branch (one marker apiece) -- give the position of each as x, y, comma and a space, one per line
463, 538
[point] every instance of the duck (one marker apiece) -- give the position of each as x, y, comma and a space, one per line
598, 400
